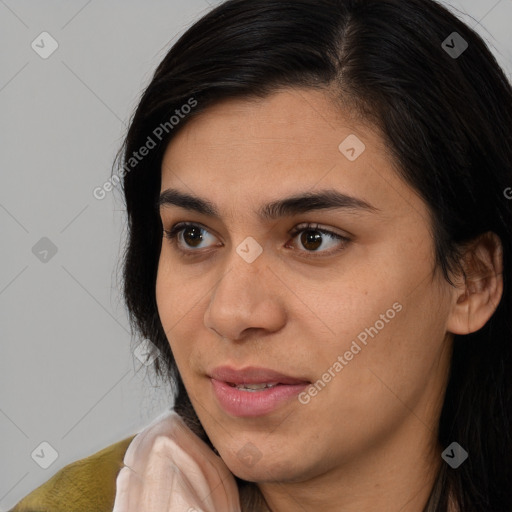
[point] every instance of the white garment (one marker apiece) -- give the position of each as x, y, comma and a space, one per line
169, 469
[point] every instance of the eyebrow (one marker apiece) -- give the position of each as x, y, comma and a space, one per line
287, 207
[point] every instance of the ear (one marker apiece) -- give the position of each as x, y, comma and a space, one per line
477, 295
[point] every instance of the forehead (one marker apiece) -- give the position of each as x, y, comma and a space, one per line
291, 122
291, 141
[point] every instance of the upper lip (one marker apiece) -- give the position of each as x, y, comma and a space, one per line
252, 375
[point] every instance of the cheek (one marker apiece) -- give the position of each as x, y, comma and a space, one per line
174, 294
179, 303
386, 336
172, 306
388, 362
164, 297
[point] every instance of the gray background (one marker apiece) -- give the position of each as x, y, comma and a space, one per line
68, 373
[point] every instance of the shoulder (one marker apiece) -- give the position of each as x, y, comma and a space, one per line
82, 486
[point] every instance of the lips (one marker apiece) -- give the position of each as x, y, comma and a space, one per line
253, 375
252, 391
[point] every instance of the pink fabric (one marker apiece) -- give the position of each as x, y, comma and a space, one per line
169, 469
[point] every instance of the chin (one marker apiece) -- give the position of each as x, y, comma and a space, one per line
253, 466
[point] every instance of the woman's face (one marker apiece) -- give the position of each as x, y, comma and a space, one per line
353, 329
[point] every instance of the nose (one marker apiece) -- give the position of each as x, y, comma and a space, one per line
245, 299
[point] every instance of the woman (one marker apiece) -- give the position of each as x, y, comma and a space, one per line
320, 232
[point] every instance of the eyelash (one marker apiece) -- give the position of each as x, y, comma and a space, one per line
173, 233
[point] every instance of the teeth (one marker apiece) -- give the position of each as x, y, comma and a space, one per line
255, 387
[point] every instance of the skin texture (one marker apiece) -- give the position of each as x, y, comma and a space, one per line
367, 440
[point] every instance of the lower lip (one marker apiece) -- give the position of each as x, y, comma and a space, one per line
242, 403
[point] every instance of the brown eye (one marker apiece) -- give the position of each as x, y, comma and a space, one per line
192, 236
188, 237
312, 238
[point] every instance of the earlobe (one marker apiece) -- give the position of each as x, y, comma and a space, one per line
478, 295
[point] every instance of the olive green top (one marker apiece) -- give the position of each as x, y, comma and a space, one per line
86, 485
